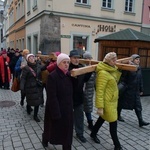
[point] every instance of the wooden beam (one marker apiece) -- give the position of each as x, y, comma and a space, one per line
120, 64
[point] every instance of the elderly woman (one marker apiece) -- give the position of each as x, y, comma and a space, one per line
31, 85
58, 121
130, 99
107, 97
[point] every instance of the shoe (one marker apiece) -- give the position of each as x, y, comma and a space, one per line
95, 138
81, 138
42, 105
21, 102
121, 119
36, 119
143, 123
118, 148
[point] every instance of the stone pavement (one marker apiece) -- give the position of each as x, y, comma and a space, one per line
18, 131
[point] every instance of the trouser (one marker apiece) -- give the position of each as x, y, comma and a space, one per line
23, 95
36, 109
88, 116
112, 129
79, 120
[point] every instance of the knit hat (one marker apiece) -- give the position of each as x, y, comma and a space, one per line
25, 51
61, 57
87, 55
29, 56
109, 56
4, 51
134, 56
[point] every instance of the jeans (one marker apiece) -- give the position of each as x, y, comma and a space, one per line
79, 120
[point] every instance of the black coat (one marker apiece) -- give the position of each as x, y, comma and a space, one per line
28, 83
78, 83
58, 120
130, 99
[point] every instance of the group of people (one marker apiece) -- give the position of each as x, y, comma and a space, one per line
69, 97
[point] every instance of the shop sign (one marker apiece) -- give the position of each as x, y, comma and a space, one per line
66, 36
81, 25
106, 28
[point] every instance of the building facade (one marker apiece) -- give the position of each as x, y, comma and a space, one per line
146, 17
54, 25
14, 24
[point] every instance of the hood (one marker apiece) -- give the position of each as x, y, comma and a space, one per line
106, 67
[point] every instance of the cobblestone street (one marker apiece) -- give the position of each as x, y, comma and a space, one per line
18, 131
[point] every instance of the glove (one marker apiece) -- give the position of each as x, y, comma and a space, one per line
100, 111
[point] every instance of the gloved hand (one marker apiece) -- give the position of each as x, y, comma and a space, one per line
100, 111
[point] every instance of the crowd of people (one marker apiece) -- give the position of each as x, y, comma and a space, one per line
68, 98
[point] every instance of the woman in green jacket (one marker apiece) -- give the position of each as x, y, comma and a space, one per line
107, 97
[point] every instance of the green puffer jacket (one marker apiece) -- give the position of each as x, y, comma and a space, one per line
107, 90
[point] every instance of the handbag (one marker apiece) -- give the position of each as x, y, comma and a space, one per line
15, 85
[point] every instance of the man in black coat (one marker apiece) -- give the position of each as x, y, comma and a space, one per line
78, 96
130, 99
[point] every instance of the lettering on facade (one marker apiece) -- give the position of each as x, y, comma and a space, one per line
81, 25
106, 28
66, 36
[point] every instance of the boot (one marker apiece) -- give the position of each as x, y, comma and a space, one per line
22, 102
121, 119
141, 121
36, 119
90, 124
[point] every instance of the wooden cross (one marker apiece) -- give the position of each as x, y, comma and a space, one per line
122, 64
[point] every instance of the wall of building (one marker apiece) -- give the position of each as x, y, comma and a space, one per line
90, 29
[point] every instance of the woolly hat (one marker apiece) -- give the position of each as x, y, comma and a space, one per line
61, 57
87, 55
4, 51
109, 56
29, 56
25, 51
134, 56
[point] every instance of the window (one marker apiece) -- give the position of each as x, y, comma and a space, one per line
22, 45
34, 3
28, 5
129, 5
149, 13
107, 4
35, 43
29, 43
80, 42
82, 1
34, 7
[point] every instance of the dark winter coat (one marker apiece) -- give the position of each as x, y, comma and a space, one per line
58, 121
28, 83
89, 89
130, 99
78, 83
13, 63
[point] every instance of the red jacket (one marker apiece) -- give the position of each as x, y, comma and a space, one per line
2, 72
